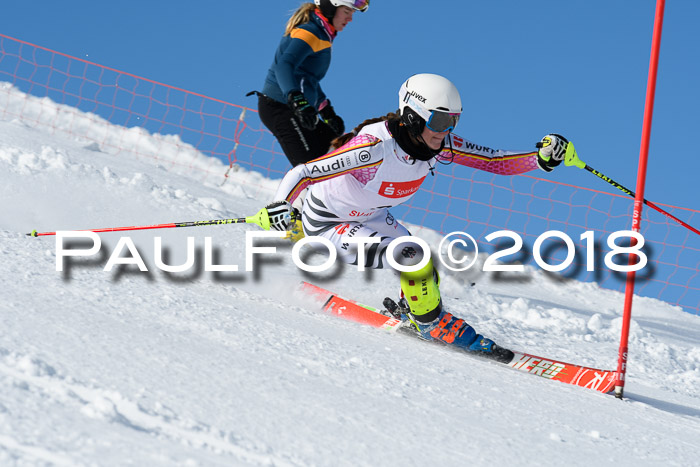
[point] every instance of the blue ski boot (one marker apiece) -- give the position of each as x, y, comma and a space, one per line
457, 332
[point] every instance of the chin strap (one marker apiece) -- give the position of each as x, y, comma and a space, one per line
452, 153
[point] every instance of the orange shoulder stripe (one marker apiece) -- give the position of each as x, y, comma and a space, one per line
314, 42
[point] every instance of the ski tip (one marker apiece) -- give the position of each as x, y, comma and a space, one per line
33, 233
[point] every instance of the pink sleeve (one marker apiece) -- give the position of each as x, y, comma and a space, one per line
500, 162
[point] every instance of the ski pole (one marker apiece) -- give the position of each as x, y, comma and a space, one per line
260, 218
571, 158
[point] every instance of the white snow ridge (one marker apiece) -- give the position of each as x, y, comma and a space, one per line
146, 368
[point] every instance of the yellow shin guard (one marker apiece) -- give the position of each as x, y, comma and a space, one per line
421, 290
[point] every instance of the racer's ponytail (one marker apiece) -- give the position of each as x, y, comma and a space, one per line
301, 16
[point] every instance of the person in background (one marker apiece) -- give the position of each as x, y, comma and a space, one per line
382, 164
292, 104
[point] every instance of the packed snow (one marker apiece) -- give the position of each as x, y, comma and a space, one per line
131, 367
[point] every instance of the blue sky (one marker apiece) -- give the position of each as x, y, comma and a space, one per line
523, 68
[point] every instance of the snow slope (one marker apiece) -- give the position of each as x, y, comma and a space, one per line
232, 368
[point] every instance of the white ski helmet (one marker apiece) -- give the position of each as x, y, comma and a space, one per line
428, 99
328, 7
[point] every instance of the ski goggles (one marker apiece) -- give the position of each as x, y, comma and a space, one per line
361, 5
442, 121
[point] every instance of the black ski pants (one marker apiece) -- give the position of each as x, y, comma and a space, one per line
299, 144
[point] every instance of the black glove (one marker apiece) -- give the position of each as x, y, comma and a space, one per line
329, 116
281, 215
304, 112
552, 149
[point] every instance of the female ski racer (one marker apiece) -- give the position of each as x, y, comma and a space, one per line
382, 164
292, 99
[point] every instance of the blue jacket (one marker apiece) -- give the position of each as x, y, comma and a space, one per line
301, 61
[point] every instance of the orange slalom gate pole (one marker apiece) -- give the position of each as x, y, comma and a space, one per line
639, 198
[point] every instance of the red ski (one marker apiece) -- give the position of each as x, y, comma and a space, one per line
350, 309
591, 378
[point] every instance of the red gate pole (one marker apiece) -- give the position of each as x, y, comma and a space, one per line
639, 198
